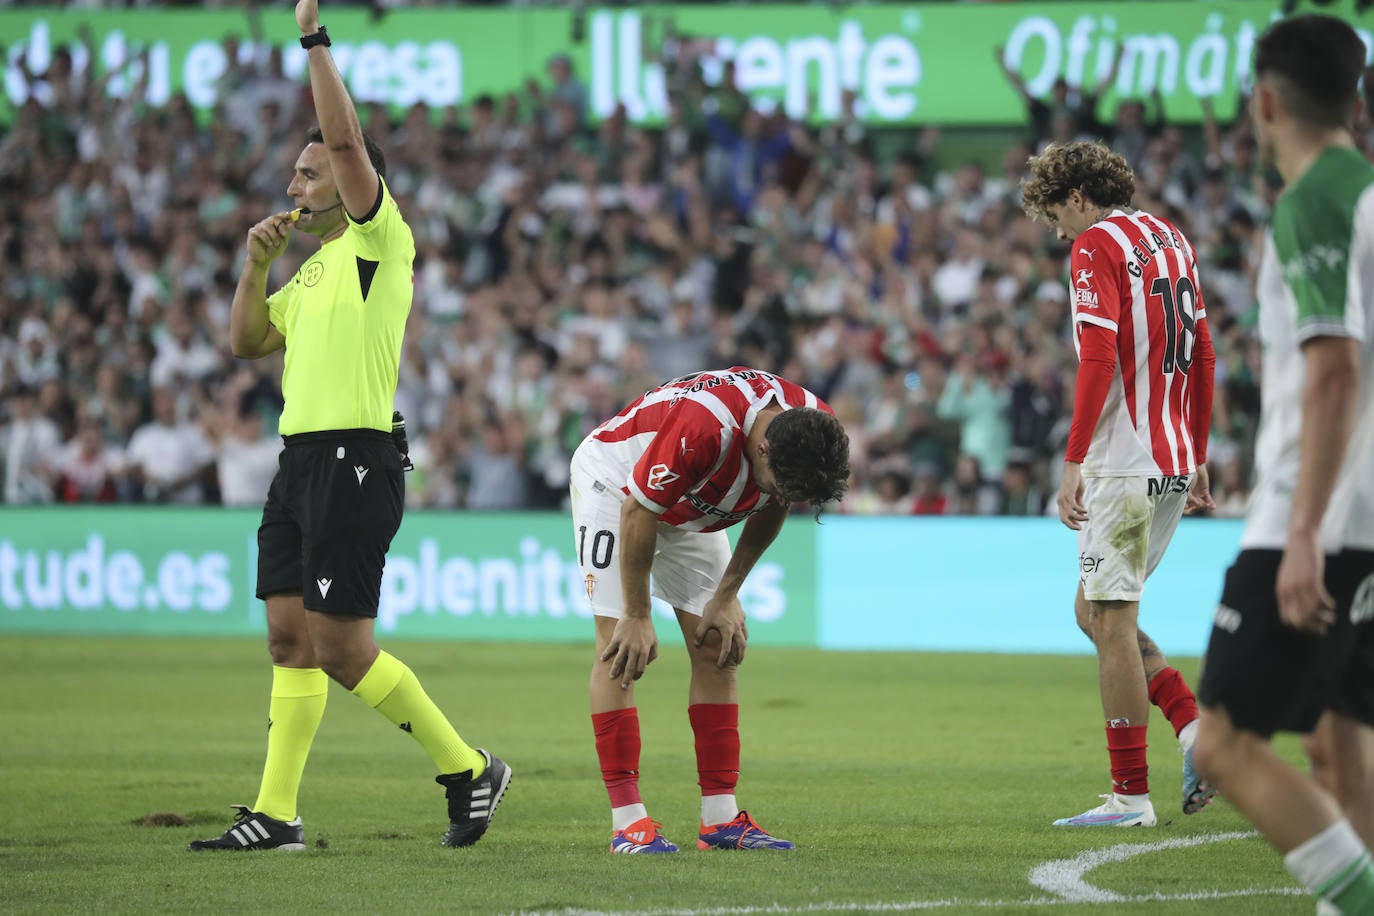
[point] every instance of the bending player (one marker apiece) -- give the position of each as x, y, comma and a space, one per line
653, 489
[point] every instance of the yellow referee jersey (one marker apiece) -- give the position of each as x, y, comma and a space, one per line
343, 316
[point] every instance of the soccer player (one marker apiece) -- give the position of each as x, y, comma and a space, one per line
1137, 445
653, 489
338, 495
1292, 644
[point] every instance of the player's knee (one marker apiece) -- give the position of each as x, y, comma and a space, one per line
708, 652
1112, 619
345, 668
290, 649
1083, 616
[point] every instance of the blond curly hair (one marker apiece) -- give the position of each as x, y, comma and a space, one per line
1091, 168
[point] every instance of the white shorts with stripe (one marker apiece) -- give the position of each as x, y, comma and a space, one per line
1130, 523
687, 565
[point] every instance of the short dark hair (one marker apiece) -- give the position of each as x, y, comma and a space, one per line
1102, 176
374, 152
1318, 60
808, 451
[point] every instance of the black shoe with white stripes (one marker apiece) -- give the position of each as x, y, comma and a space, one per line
472, 802
255, 830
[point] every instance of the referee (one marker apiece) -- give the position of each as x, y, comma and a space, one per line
339, 492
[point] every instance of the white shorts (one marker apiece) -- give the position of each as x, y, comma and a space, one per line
1130, 522
687, 566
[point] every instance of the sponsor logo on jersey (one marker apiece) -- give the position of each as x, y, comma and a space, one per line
1084, 279
659, 475
1086, 299
1158, 486
1314, 259
706, 508
1088, 254
1088, 564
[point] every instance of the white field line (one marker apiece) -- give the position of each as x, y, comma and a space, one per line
1064, 877
1061, 877
912, 906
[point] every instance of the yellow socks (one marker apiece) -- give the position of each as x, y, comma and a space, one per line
298, 696
394, 691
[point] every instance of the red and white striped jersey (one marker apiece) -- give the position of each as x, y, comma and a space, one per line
1135, 275
679, 449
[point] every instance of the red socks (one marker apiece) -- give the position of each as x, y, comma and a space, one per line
617, 747
1170, 693
1126, 744
1130, 771
716, 727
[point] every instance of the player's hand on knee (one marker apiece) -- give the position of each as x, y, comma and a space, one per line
632, 647
726, 617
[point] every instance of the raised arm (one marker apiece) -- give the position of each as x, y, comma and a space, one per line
357, 180
1017, 82
1106, 81
1211, 133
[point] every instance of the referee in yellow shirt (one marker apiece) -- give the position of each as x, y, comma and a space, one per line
339, 492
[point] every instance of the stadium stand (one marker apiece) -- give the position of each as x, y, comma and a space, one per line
566, 265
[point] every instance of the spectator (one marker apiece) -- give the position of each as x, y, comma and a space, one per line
183, 352
245, 460
864, 262
970, 493
929, 499
567, 91
1075, 109
495, 469
31, 442
1020, 494
167, 457
979, 403
87, 468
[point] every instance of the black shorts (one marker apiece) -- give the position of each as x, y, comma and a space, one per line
1272, 678
331, 513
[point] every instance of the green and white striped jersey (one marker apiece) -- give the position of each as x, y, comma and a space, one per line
1316, 280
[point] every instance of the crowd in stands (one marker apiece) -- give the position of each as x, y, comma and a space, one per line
565, 264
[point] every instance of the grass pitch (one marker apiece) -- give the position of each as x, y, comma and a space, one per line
908, 781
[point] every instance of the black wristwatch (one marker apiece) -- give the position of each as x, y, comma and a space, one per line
315, 38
